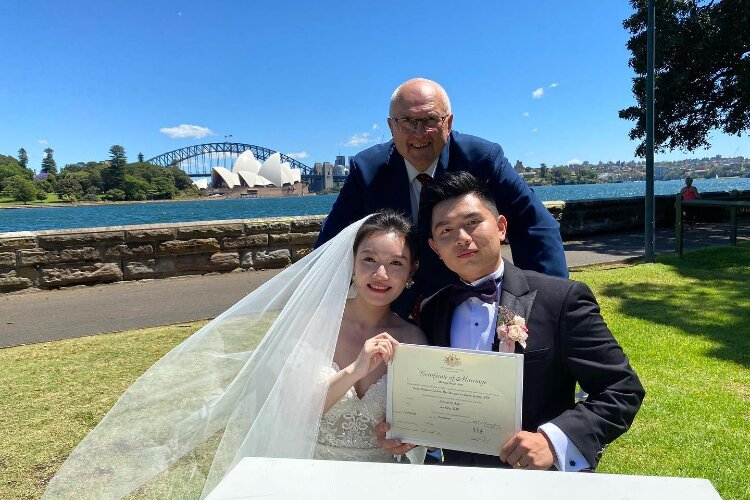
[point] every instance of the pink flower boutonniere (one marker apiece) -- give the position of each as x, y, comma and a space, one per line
511, 329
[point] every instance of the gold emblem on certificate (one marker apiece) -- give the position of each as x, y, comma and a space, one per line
453, 398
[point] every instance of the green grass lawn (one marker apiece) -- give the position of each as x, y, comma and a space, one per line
51, 198
685, 323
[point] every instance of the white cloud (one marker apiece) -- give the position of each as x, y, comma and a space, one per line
299, 156
43, 142
575, 161
530, 153
359, 140
375, 126
526, 114
553, 85
538, 93
535, 130
184, 131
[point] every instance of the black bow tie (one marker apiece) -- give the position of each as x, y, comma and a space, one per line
486, 291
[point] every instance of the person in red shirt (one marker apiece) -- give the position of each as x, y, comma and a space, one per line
689, 192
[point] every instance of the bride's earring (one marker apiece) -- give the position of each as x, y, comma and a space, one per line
409, 283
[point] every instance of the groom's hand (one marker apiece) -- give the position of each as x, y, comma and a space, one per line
394, 446
528, 450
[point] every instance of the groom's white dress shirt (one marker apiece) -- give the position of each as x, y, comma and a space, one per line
473, 327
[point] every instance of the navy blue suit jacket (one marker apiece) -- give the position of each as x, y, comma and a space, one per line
378, 179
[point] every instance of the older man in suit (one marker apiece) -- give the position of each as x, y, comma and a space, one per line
424, 148
567, 342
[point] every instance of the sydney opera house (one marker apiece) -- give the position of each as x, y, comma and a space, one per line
250, 177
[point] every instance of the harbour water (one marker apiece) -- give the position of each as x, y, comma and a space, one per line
34, 219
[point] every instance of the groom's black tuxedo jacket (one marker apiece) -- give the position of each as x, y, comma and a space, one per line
568, 342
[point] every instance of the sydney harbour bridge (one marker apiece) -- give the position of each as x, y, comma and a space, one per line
198, 160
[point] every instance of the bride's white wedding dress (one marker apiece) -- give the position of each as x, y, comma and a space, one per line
346, 429
217, 397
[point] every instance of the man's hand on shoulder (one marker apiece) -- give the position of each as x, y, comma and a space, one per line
528, 450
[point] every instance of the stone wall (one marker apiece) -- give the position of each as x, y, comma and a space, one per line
53, 259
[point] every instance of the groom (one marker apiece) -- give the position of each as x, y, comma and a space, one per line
567, 342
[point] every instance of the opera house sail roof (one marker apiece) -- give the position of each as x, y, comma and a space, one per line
249, 172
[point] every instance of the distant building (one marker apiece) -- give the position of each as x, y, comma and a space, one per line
340, 160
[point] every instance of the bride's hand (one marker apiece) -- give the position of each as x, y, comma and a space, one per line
376, 350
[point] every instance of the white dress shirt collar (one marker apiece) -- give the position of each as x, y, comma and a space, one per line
412, 171
498, 274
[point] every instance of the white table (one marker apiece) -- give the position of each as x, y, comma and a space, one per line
288, 479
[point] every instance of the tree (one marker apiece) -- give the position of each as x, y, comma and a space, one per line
135, 188
114, 175
49, 165
20, 189
702, 71
69, 189
140, 157
163, 187
23, 158
543, 170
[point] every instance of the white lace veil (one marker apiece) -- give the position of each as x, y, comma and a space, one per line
212, 400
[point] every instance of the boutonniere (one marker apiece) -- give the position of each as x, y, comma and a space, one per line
511, 328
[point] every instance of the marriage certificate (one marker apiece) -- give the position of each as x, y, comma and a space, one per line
453, 398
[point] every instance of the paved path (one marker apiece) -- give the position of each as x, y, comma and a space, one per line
40, 316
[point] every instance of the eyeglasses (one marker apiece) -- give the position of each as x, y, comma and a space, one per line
410, 125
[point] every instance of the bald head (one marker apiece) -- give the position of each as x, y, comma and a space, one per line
420, 121
420, 89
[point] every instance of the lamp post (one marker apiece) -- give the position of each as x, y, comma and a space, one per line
650, 48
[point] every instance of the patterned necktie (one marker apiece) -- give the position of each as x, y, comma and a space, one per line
486, 291
425, 180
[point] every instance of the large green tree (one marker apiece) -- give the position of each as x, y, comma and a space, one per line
49, 165
9, 167
23, 158
702, 71
114, 175
20, 189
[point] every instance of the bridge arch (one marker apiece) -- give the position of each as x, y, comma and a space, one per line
177, 156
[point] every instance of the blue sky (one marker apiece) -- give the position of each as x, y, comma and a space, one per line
543, 78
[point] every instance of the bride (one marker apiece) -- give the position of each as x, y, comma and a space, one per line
217, 397
383, 266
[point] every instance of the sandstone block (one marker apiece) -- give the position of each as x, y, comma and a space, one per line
151, 268
13, 283
268, 227
176, 247
39, 256
80, 238
155, 234
306, 225
8, 259
17, 243
225, 261
247, 259
280, 239
272, 259
249, 241
140, 270
128, 251
184, 233
303, 238
73, 274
